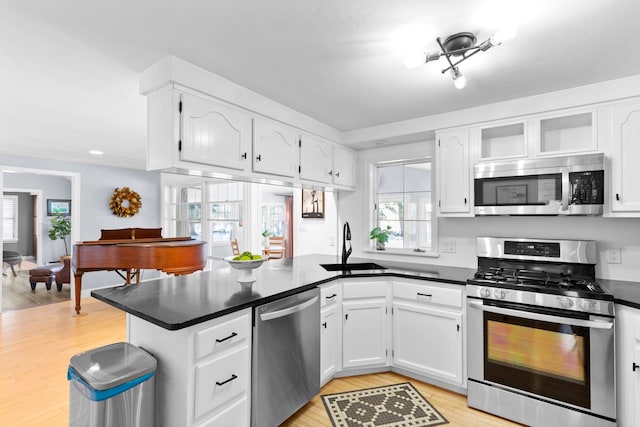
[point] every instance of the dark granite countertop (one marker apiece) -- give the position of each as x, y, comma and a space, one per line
626, 293
176, 302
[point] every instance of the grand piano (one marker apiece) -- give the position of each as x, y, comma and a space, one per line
129, 250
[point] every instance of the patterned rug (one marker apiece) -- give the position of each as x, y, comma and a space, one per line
398, 405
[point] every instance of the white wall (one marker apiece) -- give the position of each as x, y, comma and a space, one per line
316, 235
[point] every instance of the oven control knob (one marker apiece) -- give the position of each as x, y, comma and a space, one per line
485, 293
499, 293
566, 302
586, 305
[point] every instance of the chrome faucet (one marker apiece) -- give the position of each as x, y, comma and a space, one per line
346, 237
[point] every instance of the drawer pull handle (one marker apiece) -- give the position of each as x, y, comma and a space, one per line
635, 366
233, 377
330, 297
233, 334
424, 295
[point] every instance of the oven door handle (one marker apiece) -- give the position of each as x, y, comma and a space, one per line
597, 324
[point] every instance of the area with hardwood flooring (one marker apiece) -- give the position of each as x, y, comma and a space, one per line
37, 344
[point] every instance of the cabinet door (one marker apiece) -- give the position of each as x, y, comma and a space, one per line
214, 134
627, 357
315, 160
625, 152
275, 148
428, 341
453, 173
328, 342
364, 333
344, 163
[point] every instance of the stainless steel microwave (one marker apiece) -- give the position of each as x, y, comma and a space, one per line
566, 185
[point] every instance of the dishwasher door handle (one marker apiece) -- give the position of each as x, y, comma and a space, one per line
289, 310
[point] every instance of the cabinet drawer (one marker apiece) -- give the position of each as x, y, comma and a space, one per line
364, 289
219, 380
236, 415
441, 294
222, 336
328, 294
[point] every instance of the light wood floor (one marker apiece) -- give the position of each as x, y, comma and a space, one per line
37, 343
17, 294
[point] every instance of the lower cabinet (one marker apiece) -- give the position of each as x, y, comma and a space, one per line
203, 376
627, 365
428, 329
428, 341
364, 324
329, 332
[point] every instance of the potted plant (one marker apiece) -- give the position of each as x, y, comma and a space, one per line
381, 236
265, 235
60, 229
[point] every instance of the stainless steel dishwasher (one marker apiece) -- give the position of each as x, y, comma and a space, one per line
286, 357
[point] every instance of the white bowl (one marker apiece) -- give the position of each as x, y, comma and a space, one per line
245, 268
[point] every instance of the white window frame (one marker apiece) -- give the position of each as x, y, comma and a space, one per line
13, 237
431, 252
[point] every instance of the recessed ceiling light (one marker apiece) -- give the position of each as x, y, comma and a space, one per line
96, 152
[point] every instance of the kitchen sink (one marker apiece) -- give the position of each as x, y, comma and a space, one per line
354, 266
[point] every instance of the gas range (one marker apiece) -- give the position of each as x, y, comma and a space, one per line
556, 274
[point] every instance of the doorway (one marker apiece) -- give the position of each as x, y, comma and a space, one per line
15, 292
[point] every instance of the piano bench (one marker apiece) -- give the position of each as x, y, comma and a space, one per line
45, 274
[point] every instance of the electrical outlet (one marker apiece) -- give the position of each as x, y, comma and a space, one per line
614, 256
332, 240
448, 246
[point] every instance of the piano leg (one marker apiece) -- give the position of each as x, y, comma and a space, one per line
78, 289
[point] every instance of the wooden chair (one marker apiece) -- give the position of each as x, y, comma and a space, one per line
275, 250
234, 247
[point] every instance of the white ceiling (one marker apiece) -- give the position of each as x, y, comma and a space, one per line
70, 68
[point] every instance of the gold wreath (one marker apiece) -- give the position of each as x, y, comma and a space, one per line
118, 205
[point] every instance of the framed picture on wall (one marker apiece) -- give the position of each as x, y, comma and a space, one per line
58, 207
312, 203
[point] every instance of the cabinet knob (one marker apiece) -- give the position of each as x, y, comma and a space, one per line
324, 325
338, 174
244, 155
259, 157
465, 200
330, 172
617, 197
635, 366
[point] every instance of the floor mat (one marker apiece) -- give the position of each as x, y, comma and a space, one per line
398, 405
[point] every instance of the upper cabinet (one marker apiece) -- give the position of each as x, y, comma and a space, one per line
502, 140
344, 167
275, 148
315, 159
454, 168
624, 120
571, 131
213, 134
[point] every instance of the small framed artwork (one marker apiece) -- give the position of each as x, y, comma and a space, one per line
58, 207
312, 203
511, 194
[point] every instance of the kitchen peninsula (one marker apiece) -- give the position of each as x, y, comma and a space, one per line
199, 327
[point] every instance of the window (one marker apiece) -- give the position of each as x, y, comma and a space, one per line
9, 218
273, 218
402, 200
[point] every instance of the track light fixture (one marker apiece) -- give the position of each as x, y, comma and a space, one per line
458, 48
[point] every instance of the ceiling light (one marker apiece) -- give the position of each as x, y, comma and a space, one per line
459, 80
463, 46
96, 152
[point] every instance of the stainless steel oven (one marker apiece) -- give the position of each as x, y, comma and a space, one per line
541, 335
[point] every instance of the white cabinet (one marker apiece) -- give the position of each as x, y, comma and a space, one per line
627, 366
625, 152
275, 148
187, 131
344, 167
500, 140
428, 330
563, 132
454, 169
315, 159
329, 331
204, 371
365, 328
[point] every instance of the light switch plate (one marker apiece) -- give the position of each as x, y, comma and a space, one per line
614, 256
448, 246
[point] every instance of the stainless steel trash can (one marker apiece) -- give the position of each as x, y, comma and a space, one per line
112, 386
